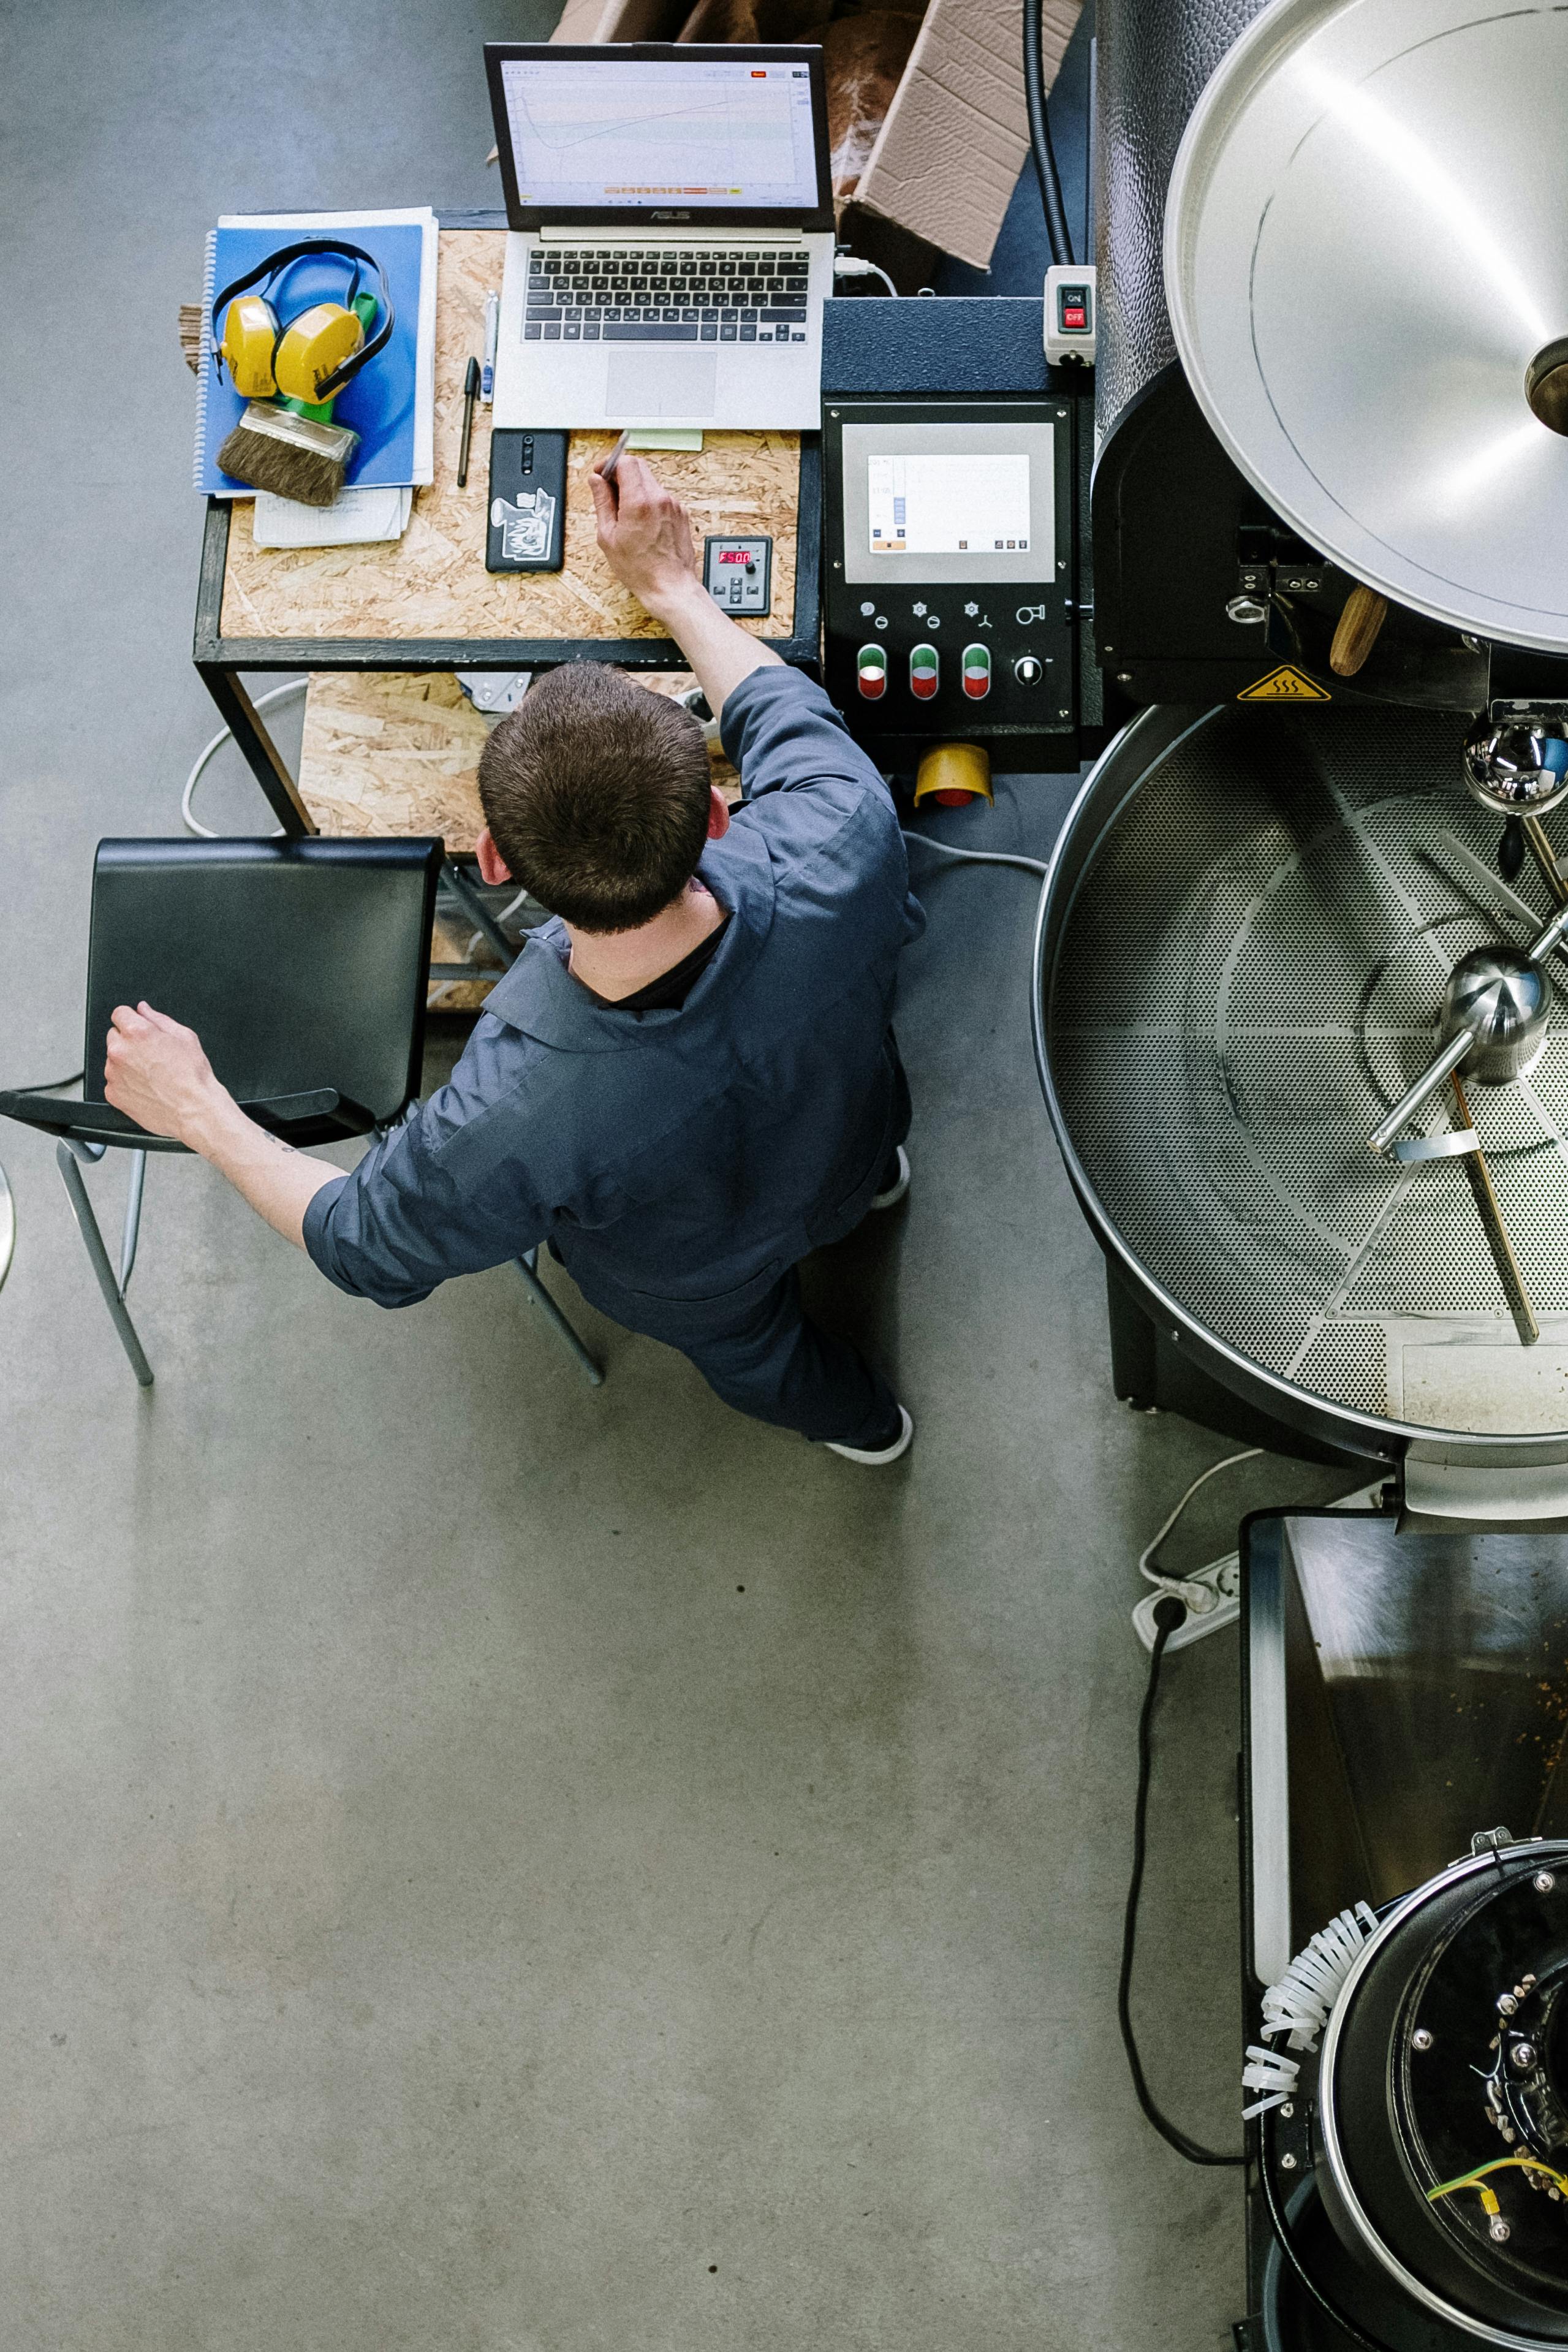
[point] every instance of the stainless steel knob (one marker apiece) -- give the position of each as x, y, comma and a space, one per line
1029, 669
1517, 770
1500, 999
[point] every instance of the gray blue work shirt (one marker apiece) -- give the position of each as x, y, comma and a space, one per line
678, 1159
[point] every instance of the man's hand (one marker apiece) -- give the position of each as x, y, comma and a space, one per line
645, 533
157, 1074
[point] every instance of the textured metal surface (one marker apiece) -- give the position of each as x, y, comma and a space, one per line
1152, 59
1251, 971
1363, 263
953, 343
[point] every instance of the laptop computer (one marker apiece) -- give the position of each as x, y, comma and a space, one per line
670, 239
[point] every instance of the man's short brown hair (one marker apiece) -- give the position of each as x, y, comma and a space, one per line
596, 793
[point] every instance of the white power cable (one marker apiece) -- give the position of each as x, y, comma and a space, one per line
978, 856
849, 265
1177, 1584
263, 702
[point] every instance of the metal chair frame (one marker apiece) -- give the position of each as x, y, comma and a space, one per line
71, 1155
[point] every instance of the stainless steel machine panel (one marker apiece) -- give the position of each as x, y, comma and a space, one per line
1368, 284
1245, 947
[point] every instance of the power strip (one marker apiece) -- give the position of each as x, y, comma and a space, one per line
1213, 1598
1213, 1595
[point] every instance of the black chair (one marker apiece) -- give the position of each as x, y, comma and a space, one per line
304, 967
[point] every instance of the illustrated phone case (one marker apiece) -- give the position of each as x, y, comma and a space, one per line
528, 502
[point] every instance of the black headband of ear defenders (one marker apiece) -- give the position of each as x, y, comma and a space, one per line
285, 258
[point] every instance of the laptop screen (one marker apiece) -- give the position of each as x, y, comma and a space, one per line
637, 132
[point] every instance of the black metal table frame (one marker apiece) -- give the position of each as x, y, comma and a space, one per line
220, 660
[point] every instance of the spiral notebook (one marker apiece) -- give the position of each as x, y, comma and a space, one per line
392, 406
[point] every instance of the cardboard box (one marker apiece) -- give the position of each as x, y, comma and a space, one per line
957, 134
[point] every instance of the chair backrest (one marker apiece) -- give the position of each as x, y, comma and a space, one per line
301, 964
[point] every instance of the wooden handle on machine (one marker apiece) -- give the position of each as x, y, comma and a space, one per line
1363, 615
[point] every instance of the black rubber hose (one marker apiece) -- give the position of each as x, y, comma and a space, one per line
1056, 228
1169, 1613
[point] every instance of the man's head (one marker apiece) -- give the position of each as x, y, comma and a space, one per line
598, 797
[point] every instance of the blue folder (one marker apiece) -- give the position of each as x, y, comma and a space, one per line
380, 401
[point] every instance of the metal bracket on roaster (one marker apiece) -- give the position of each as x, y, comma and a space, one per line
1411, 1148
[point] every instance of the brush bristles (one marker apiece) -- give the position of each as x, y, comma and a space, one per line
293, 456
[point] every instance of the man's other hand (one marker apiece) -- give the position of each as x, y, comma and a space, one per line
157, 1074
645, 533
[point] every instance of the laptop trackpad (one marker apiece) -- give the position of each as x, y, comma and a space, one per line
645, 383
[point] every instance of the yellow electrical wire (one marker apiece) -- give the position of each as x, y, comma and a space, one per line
1498, 2164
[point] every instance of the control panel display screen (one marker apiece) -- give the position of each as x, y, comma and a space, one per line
933, 505
967, 500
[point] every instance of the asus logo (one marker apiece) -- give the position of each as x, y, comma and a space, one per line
669, 216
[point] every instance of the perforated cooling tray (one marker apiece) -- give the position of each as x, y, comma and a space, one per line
1248, 975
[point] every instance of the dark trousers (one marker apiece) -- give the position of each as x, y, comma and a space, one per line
776, 1364
760, 1351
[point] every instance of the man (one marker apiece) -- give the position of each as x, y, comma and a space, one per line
688, 1080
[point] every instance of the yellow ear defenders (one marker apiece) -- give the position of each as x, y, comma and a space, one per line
313, 355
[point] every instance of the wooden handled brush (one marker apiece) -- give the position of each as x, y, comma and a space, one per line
292, 447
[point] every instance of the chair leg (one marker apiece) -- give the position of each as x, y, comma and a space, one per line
527, 1266
132, 1220
478, 914
65, 1156
7, 1228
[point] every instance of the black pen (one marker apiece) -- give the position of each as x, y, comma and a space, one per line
470, 395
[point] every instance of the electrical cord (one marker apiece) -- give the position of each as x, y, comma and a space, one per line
53, 1086
1169, 1613
1056, 227
263, 702
849, 265
979, 858
1179, 1585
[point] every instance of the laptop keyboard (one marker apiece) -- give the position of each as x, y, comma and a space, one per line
753, 295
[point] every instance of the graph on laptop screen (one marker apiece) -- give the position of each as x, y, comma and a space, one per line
602, 134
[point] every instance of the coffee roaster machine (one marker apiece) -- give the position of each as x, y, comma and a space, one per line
1302, 1023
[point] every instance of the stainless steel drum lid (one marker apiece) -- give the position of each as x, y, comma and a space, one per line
1365, 259
1245, 945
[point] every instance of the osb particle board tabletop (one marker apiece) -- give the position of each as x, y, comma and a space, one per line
397, 752
433, 581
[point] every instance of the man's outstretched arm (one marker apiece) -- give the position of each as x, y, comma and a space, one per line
647, 535
156, 1071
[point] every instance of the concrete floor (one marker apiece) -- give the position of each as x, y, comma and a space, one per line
488, 1864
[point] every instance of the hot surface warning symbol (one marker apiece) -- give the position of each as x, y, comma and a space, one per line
1285, 685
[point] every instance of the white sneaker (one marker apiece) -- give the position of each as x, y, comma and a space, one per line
901, 1443
894, 1193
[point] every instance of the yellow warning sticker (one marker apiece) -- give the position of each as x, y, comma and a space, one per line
1285, 685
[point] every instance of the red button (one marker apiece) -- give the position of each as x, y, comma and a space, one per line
1074, 318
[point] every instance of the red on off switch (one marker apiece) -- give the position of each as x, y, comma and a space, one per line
977, 672
871, 672
925, 672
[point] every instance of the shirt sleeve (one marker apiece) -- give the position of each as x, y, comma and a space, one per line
784, 735
446, 1193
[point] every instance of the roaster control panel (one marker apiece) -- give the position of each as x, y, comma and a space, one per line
950, 572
